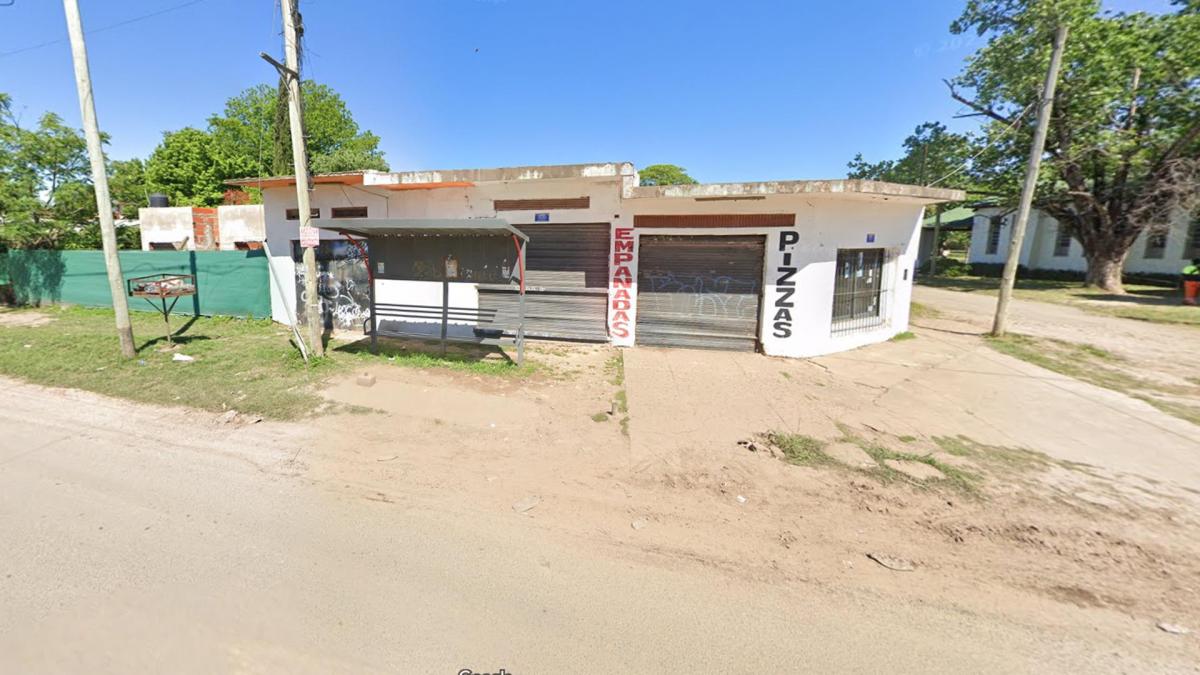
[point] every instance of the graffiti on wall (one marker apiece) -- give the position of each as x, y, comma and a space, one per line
704, 295
342, 285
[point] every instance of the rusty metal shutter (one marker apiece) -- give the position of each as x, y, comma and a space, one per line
566, 282
699, 291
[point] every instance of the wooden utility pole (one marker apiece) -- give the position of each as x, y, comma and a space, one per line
1045, 106
91, 130
291, 72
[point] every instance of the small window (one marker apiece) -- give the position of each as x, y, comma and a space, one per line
1156, 246
348, 212
1191, 248
1062, 242
993, 240
858, 290
294, 214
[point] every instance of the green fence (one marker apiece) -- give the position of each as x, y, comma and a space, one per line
232, 283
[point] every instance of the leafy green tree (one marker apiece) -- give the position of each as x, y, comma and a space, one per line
245, 132
1123, 152
189, 168
931, 153
665, 174
45, 191
127, 186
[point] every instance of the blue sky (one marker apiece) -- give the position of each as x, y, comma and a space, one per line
730, 90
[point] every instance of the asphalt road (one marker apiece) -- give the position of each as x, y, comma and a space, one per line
137, 540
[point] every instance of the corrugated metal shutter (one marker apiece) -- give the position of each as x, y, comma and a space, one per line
566, 281
699, 291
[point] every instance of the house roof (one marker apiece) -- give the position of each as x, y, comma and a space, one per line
958, 218
716, 191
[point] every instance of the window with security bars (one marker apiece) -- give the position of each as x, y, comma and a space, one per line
1062, 242
860, 290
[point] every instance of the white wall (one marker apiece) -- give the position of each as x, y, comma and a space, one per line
824, 224
1038, 248
169, 224
472, 202
240, 222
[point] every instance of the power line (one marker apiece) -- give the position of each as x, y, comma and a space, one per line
985, 148
110, 26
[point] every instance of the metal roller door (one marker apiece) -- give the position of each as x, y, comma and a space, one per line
566, 278
699, 291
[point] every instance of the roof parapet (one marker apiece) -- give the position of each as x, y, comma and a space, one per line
798, 187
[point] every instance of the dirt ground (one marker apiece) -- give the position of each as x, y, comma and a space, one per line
1077, 510
1068, 510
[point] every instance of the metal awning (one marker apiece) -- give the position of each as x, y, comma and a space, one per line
418, 227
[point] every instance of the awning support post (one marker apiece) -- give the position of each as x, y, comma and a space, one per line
371, 302
445, 310
521, 310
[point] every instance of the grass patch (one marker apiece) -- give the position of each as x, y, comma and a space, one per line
918, 310
467, 359
798, 448
1096, 366
786, 375
963, 446
600, 417
901, 337
243, 364
907, 439
803, 450
1156, 304
616, 369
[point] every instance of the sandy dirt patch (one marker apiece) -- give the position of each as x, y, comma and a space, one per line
1074, 530
24, 319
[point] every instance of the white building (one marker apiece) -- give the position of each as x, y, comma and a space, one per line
1047, 246
792, 268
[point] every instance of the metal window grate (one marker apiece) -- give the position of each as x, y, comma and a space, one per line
860, 290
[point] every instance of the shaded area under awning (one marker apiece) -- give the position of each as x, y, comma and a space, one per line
418, 227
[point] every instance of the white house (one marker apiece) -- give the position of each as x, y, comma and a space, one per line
1047, 246
791, 268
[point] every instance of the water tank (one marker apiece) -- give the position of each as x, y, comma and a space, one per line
158, 199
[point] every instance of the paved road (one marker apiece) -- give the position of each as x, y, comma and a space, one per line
138, 540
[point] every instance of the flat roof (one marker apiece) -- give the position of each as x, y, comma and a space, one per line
450, 177
418, 227
717, 191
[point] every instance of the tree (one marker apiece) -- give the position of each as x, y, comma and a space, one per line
1123, 154
931, 154
245, 132
189, 168
45, 192
127, 186
665, 174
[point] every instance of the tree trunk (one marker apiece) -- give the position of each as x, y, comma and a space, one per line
1104, 272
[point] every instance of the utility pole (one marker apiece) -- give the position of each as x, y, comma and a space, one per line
91, 130
308, 237
1045, 106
